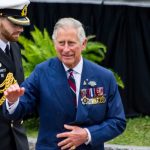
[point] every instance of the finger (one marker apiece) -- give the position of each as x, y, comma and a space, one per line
67, 146
13, 93
12, 88
62, 135
22, 90
5, 93
64, 142
15, 85
69, 127
72, 147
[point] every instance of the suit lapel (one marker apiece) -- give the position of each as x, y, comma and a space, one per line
64, 94
17, 62
14, 53
7, 62
82, 111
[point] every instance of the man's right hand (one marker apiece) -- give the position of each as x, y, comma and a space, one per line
14, 92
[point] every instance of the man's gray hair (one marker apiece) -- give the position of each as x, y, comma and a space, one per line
69, 22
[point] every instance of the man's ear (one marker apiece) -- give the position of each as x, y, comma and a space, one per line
84, 43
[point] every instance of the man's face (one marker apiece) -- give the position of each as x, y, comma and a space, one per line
68, 46
9, 31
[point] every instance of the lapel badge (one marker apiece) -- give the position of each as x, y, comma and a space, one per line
92, 83
84, 83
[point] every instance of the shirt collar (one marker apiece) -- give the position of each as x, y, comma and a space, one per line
77, 68
3, 44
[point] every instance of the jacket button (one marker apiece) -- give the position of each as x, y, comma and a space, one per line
12, 123
21, 122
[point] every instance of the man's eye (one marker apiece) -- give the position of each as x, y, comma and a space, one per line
71, 43
61, 43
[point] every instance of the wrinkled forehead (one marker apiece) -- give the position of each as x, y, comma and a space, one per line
68, 32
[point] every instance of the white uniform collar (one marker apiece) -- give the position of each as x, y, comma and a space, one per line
3, 44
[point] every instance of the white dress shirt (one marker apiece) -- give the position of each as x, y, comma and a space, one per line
3, 45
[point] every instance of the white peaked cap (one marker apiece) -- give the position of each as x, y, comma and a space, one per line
13, 4
15, 11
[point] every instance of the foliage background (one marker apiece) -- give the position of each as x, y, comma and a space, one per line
41, 48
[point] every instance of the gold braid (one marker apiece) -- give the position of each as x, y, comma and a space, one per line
9, 80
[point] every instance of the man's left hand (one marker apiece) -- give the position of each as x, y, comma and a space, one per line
73, 138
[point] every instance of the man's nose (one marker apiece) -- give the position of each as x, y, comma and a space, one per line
66, 47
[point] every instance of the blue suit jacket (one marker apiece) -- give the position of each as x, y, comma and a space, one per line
48, 89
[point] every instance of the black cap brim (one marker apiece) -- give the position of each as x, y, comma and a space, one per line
22, 21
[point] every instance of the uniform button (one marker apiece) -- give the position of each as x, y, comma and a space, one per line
12, 123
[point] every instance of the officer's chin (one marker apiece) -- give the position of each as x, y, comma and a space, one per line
14, 38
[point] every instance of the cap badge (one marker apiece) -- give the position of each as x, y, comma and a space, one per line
24, 11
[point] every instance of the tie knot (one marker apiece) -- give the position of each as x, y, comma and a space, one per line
70, 71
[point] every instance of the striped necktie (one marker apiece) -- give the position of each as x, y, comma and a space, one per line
72, 84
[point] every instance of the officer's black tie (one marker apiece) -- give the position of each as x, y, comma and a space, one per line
7, 51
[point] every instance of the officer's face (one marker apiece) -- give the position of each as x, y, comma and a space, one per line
9, 31
68, 46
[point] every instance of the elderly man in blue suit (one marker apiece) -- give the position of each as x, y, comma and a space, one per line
78, 101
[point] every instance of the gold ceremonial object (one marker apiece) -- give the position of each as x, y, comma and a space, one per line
9, 80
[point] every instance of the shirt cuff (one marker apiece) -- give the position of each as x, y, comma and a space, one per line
89, 136
11, 108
